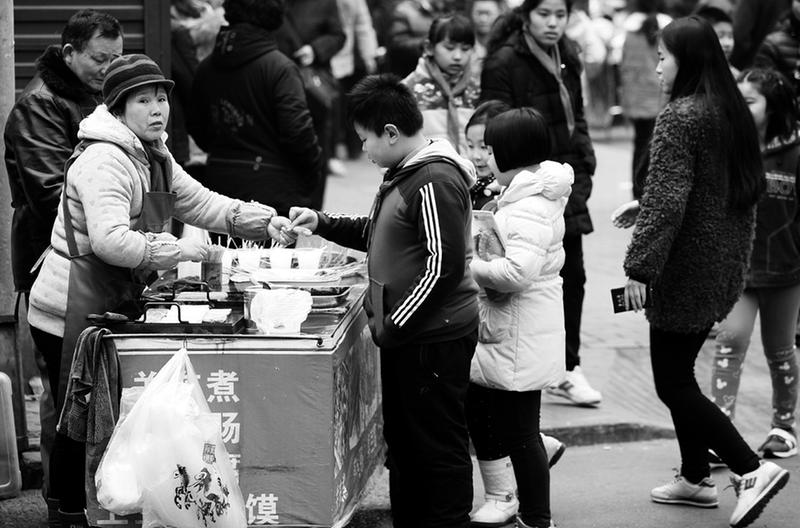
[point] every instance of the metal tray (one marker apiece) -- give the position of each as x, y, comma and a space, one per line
133, 310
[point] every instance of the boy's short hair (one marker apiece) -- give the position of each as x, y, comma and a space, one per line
380, 100
82, 26
518, 137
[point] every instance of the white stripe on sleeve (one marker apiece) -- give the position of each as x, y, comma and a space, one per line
433, 265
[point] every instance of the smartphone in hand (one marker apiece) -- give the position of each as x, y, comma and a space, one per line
618, 299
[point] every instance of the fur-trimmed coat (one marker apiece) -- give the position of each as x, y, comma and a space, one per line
40, 135
688, 244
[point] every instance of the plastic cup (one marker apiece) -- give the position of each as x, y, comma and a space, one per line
249, 259
280, 258
308, 258
248, 296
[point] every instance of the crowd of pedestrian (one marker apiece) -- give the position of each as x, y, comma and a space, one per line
467, 106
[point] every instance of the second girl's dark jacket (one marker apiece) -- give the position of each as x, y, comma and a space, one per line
40, 135
249, 112
513, 75
776, 248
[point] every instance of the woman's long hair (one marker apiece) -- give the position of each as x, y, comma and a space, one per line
507, 23
703, 72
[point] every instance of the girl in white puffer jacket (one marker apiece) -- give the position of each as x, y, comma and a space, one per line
521, 339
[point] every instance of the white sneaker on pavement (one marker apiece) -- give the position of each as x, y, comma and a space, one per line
681, 491
575, 387
754, 490
554, 448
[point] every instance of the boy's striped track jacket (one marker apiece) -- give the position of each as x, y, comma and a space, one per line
419, 246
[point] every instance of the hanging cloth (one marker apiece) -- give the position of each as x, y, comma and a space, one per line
552, 63
450, 92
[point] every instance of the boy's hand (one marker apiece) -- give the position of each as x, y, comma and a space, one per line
304, 221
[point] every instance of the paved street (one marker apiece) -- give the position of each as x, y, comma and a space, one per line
605, 483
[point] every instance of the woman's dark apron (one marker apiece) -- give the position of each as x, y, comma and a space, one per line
96, 287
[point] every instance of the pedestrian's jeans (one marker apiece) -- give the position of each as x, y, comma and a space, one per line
778, 308
699, 424
424, 395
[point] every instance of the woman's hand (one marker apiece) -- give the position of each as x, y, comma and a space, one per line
304, 56
635, 295
192, 249
625, 215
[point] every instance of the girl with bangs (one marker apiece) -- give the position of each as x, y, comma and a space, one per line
446, 83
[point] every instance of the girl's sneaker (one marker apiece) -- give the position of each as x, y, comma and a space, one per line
780, 443
681, 491
754, 490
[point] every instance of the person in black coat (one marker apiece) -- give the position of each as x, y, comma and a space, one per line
312, 34
249, 113
531, 63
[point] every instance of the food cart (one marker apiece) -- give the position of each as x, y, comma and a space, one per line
299, 413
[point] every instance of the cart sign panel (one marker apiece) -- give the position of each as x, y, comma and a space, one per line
302, 427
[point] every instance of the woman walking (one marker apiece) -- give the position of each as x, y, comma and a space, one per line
690, 249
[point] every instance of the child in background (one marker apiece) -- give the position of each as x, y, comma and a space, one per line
719, 13
521, 334
446, 83
772, 286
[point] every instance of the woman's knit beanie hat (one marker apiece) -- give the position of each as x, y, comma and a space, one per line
128, 72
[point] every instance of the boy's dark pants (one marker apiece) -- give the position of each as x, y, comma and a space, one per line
425, 427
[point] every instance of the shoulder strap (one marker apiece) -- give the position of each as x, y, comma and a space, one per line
69, 231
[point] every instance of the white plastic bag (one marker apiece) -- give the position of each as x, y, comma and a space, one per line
167, 458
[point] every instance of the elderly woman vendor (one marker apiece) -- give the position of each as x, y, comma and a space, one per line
121, 188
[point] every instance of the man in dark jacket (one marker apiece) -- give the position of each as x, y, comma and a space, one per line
40, 135
42, 130
249, 113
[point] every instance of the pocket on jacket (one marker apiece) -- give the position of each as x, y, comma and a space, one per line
375, 297
495, 321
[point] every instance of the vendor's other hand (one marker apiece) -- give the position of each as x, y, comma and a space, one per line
304, 56
625, 215
635, 295
304, 220
193, 250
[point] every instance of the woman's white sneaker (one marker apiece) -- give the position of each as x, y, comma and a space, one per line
754, 490
681, 491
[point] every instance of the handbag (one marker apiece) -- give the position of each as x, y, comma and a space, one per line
320, 86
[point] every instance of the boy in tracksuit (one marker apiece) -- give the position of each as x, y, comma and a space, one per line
421, 302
